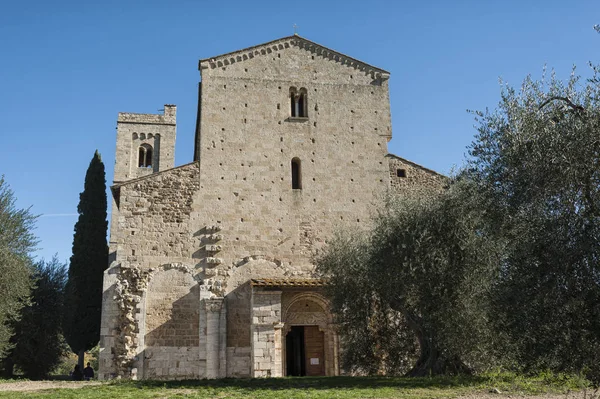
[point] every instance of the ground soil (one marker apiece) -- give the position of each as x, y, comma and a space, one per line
576, 395
39, 385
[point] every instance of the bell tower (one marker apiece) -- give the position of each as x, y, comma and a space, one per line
145, 143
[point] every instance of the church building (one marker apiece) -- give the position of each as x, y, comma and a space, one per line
211, 269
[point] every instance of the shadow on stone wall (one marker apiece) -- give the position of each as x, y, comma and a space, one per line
239, 316
178, 321
172, 348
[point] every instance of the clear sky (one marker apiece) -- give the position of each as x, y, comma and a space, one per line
68, 67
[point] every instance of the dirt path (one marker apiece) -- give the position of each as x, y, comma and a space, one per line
39, 385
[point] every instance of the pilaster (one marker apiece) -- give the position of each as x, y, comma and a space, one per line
216, 331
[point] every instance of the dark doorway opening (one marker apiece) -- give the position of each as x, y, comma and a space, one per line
294, 350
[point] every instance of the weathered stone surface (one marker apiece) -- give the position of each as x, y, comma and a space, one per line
185, 241
407, 175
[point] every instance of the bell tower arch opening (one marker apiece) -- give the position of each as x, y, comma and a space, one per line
145, 144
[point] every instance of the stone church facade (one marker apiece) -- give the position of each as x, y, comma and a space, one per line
211, 271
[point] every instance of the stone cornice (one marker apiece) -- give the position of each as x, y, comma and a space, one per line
286, 42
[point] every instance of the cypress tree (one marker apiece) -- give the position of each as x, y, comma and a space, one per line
89, 260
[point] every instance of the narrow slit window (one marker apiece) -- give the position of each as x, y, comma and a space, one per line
296, 174
301, 110
293, 102
141, 156
148, 157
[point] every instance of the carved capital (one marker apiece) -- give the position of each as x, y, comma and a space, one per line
214, 305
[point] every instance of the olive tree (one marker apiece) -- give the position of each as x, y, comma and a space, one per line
415, 289
17, 241
536, 161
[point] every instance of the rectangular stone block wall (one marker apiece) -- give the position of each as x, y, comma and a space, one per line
171, 327
248, 140
238, 337
266, 334
172, 311
108, 325
133, 130
239, 361
171, 363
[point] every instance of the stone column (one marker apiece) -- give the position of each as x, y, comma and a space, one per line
266, 323
214, 330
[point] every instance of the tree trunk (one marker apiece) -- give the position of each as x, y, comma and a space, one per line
80, 359
8, 367
431, 360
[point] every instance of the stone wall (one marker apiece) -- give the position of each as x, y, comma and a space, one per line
233, 215
134, 130
172, 311
266, 334
406, 175
151, 233
155, 223
248, 140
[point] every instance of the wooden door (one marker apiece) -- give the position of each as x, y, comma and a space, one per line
314, 348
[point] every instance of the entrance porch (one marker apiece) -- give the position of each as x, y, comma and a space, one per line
292, 330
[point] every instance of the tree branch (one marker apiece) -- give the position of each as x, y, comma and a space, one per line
565, 99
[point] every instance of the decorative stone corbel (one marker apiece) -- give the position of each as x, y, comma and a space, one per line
213, 248
214, 261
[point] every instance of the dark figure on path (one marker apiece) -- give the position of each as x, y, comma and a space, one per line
77, 375
88, 372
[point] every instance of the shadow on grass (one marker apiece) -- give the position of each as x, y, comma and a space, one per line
324, 383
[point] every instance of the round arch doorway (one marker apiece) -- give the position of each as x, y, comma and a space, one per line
309, 343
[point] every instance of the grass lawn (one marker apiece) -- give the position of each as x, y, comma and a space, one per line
316, 387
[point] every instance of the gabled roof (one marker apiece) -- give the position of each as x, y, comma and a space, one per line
286, 42
116, 187
416, 165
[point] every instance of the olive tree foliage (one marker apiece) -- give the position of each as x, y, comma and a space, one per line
38, 342
412, 294
536, 161
17, 241
374, 339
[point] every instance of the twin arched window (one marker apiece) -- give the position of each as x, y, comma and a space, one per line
145, 156
298, 103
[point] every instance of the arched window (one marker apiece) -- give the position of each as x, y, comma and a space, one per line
296, 174
298, 103
293, 94
145, 156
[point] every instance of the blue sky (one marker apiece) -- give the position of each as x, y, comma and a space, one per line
68, 67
